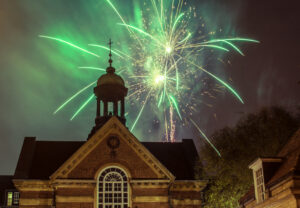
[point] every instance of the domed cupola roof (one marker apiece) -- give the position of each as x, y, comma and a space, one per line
110, 86
110, 78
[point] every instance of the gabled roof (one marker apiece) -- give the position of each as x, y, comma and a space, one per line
178, 157
47, 157
40, 159
113, 127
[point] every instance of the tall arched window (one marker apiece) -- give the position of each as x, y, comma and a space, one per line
113, 188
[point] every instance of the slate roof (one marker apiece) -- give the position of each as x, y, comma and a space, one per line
40, 159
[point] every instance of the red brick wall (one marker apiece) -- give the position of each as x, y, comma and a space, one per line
150, 192
75, 192
186, 194
74, 205
150, 205
40, 206
101, 156
36, 194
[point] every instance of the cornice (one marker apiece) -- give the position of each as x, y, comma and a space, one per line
73, 183
149, 183
32, 185
188, 185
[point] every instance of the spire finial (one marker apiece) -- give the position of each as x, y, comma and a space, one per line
110, 60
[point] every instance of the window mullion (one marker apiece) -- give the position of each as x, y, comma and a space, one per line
113, 189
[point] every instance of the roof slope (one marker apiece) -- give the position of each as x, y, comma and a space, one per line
291, 162
179, 158
48, 156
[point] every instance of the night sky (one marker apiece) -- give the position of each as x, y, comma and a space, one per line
37, 75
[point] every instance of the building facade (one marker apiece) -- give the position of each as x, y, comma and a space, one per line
9, 195
276, 179
112, 169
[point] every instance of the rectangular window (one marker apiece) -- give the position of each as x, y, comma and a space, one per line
16, 198
260, 185
9, 198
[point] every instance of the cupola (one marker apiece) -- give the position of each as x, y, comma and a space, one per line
110, 92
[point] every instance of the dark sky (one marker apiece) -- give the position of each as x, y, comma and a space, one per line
268, 74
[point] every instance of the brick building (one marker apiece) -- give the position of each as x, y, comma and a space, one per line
276, 179
112, 169
9, 195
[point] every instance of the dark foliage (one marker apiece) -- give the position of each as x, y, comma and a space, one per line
261, 134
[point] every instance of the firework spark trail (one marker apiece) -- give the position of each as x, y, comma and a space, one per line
175, 47
218, 79
123, 53
122, 19
99, 69
90, 67
136, 92
161, 9
73, 96
142, 32
232, 39
185, 39
113, 51
140, 113
82, 106
175, 23
175, 105
166, 128
172, 124
227, 41
203, 45
169, 49
176, 71
136, 84
233, 46
160, 99
70, 44
117, 12
155, 8
205, 137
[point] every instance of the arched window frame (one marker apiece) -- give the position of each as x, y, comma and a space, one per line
109, 191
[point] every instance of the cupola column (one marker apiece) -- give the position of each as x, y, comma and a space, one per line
98, 107
115, 108
105, 108
122, 107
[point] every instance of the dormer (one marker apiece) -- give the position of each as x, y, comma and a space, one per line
263, 169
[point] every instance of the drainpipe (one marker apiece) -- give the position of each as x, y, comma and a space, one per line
54, 198
169, 195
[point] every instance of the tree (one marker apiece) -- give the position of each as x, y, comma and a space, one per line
261, 134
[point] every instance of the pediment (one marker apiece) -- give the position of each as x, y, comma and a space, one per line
100, 150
